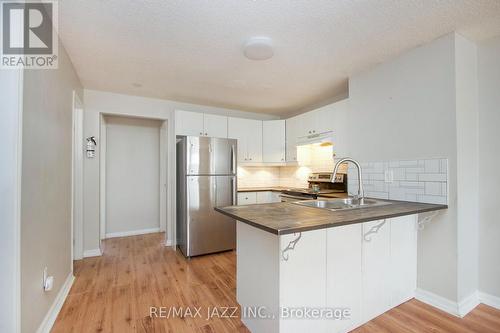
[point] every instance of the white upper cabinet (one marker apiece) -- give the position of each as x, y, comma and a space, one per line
189, 123
292, 133
273, 138
200, 124
248, 132
215, 126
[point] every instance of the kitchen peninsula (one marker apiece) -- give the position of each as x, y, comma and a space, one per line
296, 263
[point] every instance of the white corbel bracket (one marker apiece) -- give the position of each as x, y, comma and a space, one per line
290, 247
425, 218
373, 230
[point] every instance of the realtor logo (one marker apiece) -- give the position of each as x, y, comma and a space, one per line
29, 38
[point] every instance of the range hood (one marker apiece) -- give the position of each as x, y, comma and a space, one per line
320, 139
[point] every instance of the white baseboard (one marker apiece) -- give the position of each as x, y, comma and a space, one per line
461, 308
56, 307
468, 304
168, 242
92, 253
132, 232
437, 301
490, 300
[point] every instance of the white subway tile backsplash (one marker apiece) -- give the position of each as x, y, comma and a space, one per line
424, 180
433, 188
432, 177
413, 180
444, 166
434, 199
432, 166
444, 189
411, 176
399, 174
411, 163
409, 184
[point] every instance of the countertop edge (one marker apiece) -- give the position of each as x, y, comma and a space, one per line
256, 225
330, 225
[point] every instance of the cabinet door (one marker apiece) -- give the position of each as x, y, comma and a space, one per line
254, 140
275, 197
302, 279
338, 120
215, 126
323, 119
403, 274
291, 139
273, 141
264, 197
343, 287
376, 295
247, 198
188, 123
236, 129
306, 123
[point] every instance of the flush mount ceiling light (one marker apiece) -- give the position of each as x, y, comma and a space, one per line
258, 48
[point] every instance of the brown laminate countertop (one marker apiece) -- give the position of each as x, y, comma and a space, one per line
286, 218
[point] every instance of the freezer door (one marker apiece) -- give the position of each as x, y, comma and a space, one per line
209, 231
224, 156
199, 156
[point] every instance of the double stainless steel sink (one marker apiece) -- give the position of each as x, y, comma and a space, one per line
342, 203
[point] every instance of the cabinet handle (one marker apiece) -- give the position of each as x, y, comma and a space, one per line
314, 131
206, 134
201, 133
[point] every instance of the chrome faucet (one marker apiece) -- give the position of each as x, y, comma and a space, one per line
361, 192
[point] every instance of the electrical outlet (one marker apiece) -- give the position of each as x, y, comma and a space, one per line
48, 281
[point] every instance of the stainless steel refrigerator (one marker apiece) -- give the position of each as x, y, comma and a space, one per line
206, 178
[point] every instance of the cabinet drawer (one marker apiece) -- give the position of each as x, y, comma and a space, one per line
247, 198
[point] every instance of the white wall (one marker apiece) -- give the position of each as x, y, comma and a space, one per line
467, 166
405, 109
10, 177
46, 238
97, 103
489, 162
132, 175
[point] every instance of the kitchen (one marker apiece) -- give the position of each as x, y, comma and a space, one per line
274, 166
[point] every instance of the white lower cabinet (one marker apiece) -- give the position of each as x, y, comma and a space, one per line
359, 270
247, 198
261, 197
343, 283
376, 266
268, 197
403, 279
302, 280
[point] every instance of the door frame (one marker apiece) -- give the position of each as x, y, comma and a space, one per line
77, 180
165, 173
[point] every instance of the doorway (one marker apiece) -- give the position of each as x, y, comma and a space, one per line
133, 173
77, 180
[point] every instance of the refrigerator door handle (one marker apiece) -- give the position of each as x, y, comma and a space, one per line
233, 190
233, 160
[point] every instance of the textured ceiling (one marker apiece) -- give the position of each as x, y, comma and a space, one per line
191, 50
